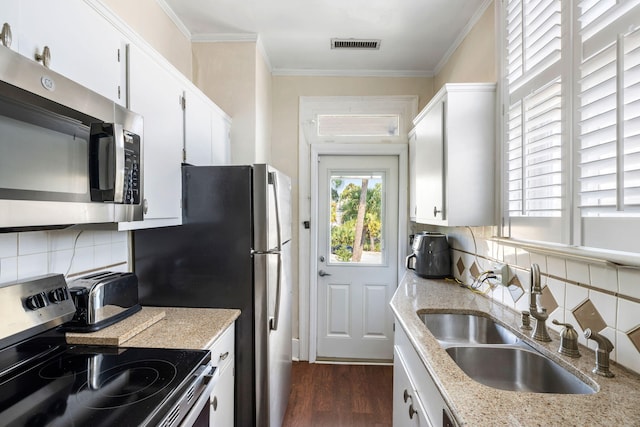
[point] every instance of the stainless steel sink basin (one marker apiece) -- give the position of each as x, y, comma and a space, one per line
453, 329
516, 369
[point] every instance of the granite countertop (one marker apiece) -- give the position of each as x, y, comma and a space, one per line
617, 401
185, 328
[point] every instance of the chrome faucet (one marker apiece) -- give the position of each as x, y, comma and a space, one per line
540, 332
602, 352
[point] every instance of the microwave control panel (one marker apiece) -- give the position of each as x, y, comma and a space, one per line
131, 169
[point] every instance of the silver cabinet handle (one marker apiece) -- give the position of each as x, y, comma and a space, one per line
323, 273
224, 355
5, 35
44, 57
406, 395
436, 211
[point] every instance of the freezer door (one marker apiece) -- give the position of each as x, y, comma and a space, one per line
272, 208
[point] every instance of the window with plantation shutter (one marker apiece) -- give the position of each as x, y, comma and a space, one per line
534, 132
609, 109
571, 122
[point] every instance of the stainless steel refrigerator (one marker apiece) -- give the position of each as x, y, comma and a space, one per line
232, 251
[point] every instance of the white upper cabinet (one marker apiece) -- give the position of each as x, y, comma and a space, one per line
206, 131
83, 45
454, 157
413, 202
157, 95
220, 137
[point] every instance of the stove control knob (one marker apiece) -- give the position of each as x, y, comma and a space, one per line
34, 302
58, 295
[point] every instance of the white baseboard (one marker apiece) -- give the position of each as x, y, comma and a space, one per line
295, 349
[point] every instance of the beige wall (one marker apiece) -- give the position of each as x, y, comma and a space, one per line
148, 19
474, 61
287, 91
226, 73
263, 109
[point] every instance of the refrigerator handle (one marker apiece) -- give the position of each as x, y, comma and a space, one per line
273, 180
273, 321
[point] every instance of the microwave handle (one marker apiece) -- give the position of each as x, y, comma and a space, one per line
118, 195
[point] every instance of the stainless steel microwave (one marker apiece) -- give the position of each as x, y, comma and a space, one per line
67, 155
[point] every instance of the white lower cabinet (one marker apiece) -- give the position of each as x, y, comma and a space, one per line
407, 407
222, 396
416, 399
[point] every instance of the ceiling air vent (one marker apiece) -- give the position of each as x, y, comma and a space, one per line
355, 44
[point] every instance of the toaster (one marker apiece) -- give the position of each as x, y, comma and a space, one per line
102, 299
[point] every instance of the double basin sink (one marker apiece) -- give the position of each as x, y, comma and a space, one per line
494, 356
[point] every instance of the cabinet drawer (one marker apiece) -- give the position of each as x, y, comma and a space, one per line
222, 350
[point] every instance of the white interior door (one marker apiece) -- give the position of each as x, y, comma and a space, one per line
356, 275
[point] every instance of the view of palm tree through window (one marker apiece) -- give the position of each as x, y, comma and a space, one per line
356, 218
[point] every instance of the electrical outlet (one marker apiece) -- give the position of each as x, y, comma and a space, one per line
502, 273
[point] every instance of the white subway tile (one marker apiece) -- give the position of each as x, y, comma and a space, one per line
119, 236
59, 261
575, 295
578, 272
102, 256
84, 239
557, 288
509, 255
606, 305
8, 245
61, 240
523, 258
627, 354
35, 242
101, 237
629, 282
82, 260
557, 267
604, 277
119, 253
8, 269
539, 259
628, 315
32, 265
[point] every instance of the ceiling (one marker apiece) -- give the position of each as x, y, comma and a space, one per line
416, 35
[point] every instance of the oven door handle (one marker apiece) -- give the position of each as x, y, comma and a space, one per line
210, 380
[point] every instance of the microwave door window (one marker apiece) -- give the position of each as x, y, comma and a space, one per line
43, 155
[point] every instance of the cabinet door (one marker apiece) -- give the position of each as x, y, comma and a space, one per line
197, 130
430, 165
222, 399
10, 14
413, 208
220, 142
157, 96
407, 408
84, 46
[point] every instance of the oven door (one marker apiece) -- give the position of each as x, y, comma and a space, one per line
199, 414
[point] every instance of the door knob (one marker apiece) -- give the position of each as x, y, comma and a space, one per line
323, 273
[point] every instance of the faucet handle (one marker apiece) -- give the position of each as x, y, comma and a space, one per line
568, 340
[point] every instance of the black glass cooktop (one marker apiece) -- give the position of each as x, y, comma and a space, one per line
92, 386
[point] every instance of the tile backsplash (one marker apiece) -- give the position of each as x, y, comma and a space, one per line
586, 295
69, 252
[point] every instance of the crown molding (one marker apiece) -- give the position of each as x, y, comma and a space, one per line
350, 73
464, 33
177, 21
224, 37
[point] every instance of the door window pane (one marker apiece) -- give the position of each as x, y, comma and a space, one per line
356, 218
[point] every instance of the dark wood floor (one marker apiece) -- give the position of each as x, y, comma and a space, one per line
339, 396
